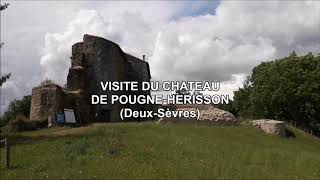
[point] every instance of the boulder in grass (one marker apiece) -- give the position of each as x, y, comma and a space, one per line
271, 126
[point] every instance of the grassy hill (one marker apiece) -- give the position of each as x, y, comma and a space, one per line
169, 151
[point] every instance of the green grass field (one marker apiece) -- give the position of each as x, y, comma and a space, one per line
168, 151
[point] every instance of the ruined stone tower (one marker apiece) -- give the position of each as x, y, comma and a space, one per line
46, 101
94, 60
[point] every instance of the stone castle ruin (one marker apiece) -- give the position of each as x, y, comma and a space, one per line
92, 61
98, 60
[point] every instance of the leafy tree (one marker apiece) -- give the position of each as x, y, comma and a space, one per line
15, 108
286, 89
182, 92
5, 77
4, 6
228, 107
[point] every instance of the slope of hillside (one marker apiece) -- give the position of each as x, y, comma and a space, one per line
169, 151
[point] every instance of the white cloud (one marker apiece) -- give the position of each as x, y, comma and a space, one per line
55, 60
130, 30
211, 47
218, 46
239, 36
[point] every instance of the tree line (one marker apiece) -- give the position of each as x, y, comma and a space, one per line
284, 89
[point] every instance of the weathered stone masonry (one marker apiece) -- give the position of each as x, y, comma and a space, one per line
46, 100
93, 60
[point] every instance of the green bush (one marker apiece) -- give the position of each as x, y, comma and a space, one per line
15, 108
21, 123
286, 89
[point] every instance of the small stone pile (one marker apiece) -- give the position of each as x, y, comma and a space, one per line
271, 126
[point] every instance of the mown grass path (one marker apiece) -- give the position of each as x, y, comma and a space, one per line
169, 151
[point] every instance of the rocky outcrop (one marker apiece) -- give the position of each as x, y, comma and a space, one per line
270, 126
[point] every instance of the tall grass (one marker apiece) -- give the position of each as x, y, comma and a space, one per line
169, 151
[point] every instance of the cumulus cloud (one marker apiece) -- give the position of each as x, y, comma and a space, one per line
190, 54
56, 52
130, 30
206, 47
239, 36
34, 30
23, 26
182, 43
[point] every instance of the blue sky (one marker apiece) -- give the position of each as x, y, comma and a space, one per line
196, 8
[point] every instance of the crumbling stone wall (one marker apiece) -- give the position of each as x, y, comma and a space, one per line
92, 61
46, 100
76, 100
138, 69
270, 126
95, 60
